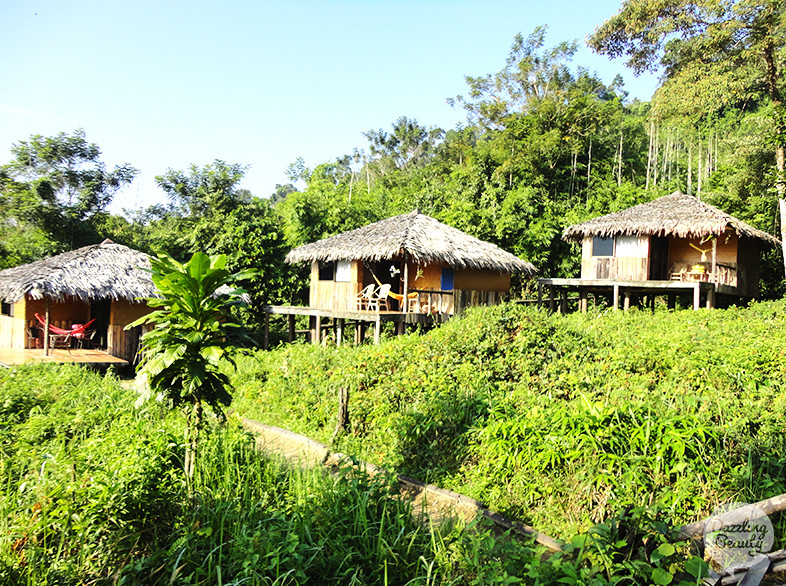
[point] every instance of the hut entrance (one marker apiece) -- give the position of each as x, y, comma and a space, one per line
386, 271
659, 258
99, 310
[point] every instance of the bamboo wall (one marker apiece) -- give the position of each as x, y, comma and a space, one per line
748, 259
332, 294
680, 249
427, 277
61, 314
615, 268
122, 343
737, 262
478, 287
482, 280
13, 329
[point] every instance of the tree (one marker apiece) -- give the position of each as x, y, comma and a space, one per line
52, 191
250, 237
531, 74
192, 335
67, 169
408, 144
201, 190
282, 191
713, 51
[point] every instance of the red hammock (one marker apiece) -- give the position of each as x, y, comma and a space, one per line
76, 332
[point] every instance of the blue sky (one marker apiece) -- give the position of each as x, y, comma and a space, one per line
164, 84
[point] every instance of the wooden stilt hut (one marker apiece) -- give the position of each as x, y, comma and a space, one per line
101, 282
672, 244
407, 269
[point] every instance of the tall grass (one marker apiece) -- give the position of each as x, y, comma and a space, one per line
558, 420
615, 426
93, 492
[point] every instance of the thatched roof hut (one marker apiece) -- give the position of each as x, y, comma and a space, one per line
99, 271
676, 215
424, 239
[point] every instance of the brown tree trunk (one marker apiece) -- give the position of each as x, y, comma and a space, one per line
342, 421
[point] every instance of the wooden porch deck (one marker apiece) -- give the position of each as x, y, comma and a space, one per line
13, 357
341, 318
554, 292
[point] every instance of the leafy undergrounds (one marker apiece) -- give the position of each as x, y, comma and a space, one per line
92, 491
604, 430
559, 421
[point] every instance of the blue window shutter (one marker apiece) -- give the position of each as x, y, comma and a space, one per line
447, 279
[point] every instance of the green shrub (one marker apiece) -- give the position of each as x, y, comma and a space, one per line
557, 420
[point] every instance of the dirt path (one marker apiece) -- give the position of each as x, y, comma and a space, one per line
437, 503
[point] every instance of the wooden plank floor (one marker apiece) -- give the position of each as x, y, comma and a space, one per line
12, 357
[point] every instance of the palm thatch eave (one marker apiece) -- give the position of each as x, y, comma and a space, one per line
416, 236
99, 271
679, 215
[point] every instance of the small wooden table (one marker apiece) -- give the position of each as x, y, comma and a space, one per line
702, 276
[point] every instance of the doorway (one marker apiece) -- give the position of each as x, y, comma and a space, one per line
100, 310
659, 258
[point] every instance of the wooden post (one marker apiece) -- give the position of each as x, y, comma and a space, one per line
266, 332
563, 302
342, 421
377, 329
626, 300
318, 330
540, 294
312, 327
291, 327
583, 300
552, 307
358, 333
46, 329
711, 296
615, 296
460, 301
697, 296
714, 271
339, 331
405, 299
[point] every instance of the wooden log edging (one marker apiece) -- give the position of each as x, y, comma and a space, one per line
777, 559
768, 506
304, 450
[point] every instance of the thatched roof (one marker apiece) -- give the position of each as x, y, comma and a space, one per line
100, 271
422, 238
677, 214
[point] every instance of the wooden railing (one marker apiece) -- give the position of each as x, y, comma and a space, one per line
723, 275
452, 302
432, 301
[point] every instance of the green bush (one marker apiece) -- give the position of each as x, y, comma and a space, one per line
557, 420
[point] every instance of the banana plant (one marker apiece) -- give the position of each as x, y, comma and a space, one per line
191, 336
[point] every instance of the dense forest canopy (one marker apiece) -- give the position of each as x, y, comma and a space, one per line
546, 144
